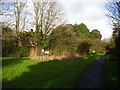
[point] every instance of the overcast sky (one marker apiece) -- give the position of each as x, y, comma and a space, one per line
90, 12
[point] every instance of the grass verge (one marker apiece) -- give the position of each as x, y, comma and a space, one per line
111, 76
23, 73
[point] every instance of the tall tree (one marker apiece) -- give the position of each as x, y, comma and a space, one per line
64, 39
113, 12
18, 7
12, 13
48, 15
81, 30
95, 34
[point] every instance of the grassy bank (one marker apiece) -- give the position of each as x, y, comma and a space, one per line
111, 76
23, 73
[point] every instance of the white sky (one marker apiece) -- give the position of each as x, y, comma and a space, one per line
90, 12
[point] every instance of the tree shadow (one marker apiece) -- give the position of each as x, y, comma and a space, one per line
50, 74
9, 61
43, 75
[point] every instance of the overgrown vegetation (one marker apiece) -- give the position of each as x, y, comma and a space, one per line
113, 13
70, 37
15, 51
51, 32
24, 73
64, 40
111, 73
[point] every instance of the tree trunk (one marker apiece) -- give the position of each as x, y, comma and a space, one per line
35, 53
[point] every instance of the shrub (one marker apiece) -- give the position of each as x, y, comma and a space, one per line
15, 51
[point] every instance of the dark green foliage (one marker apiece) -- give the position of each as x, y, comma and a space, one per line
98, 45
81, 30
113, 9
111, 75
15, 51
95, 44
25, 38
67, 38
38, 38
10, 45
6, 33
84, 48
63, 39
44, 43
8, 38
41, 40
95, 34
117, 47
110, 47
113, 46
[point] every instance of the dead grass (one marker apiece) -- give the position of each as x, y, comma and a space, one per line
55, 57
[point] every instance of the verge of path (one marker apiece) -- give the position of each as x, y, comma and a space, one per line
93, 77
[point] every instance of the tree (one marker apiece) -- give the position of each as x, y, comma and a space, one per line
113, 12
98, 45
95, 34
81, 30
13, 11
48, 15
8, 36
110, 46
84, 48
18, 7
64, 39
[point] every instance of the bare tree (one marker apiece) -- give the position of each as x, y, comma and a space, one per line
18, 7
12, 13
48, 15
113, 12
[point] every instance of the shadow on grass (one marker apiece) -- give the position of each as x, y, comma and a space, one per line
6, 61
51, 74
111, 76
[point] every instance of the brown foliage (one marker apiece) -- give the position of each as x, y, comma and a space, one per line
35, 54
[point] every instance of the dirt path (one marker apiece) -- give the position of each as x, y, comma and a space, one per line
93, 77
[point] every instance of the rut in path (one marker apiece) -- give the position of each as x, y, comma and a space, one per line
93, 77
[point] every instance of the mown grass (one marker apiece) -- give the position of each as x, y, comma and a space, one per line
111, 75
23, 73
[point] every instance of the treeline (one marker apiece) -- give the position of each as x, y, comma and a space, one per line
113, 13
68, 40
70, 37
51, 34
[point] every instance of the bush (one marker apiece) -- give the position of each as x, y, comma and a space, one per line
98, 45
84, 48
15, 51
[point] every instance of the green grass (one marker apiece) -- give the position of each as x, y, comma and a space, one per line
23, 73
112, 78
